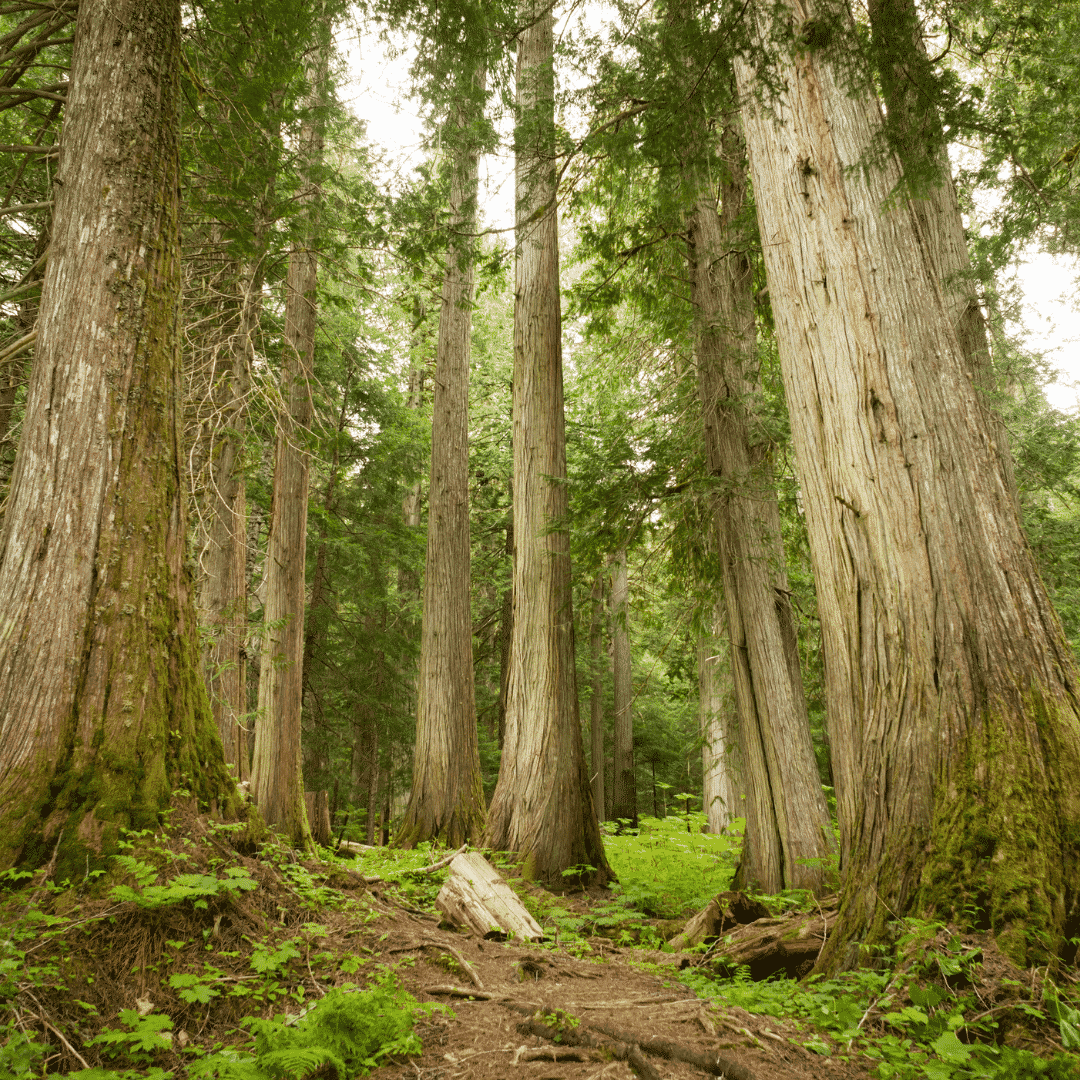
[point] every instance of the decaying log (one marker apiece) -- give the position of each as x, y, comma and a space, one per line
354, 848
723, 911
475, 896
791, 944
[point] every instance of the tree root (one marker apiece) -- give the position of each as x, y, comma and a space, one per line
625, 1045
580, 1036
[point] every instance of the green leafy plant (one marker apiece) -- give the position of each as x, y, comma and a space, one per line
145, 1035
196, 888
345, 1031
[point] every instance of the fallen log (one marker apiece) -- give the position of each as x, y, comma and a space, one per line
477, 898
722, 912
768, 946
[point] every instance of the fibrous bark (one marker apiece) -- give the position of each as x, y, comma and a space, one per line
721, 776
914, 124
788, 833
447, 799
103, 710
542, 807
951, 691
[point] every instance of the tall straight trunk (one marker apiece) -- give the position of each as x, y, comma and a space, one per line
788, 835
952, 693
447, 798
277, 782
624, 778
542, 807
718, 724
223, 598
103, 710
321, 606
596, 697
506, 625
915, 125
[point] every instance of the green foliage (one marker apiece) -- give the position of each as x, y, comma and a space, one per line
672, 867
144, 1036
196, 888
345, 1032
910, 1019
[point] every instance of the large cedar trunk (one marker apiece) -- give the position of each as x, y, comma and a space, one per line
277, 773
952, 703
447, 799
542, 807
103, 710
718, 725
914, 126
624, 778
789, 840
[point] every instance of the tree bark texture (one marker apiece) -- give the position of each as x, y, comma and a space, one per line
542, 807
951, 691
596, 696
103, 711
447, 798
788, 833
906, 80
721, 789
276, 773
223, 597
624, 778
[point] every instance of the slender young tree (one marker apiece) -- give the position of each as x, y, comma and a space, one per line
623, 775
103, 709
223, 597
542, 807
277, 782
447, 798
951, 690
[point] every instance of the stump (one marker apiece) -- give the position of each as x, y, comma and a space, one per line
476, 897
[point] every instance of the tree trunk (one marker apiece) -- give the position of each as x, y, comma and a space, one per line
951, 690
506, 628
276, 774
915, 126
624, 778
596, 699
103, 710
542, 807
447, 798
320, 609
718, 724
788, 833
223, 598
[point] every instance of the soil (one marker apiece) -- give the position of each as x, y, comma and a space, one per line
632, 992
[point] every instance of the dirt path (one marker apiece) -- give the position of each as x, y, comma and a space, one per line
614, 997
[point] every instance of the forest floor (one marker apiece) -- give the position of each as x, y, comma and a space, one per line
199, 956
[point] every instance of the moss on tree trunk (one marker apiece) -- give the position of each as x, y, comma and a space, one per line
103, 710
